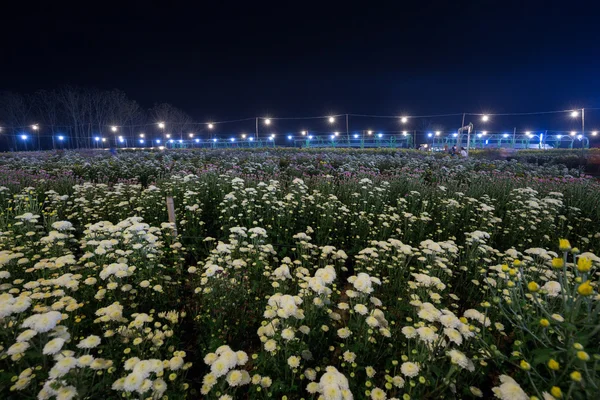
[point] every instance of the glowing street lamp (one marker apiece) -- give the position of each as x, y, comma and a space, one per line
35, 127
24, 137
113, 128
303, 133
267, 121
161, 125
380, 135
528, 133
331, 120
103, 139
232, 139
215, 139
61, 138
210, 125
404, 120
310, 137
573, 133
370, 132
97, 139
251, 138
574, 114
289, 137
191, 135
243, 136
437, 133
505, 135
485, 118
336, 133
142, 141
168, 135
594, 133
142, 135
430, 134
355, 136
404, 133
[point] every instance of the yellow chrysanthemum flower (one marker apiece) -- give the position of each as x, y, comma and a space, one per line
564, 245
557, 263
533, 287
553, 365
584, 264
556, 392
585, 289
576, 376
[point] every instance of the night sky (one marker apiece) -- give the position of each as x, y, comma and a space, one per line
227, 60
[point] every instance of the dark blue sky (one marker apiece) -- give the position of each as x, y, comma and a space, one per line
227, 60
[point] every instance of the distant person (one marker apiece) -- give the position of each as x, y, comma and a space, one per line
463, 152
445, 148
453, 150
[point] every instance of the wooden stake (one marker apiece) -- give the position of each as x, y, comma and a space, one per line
171, 212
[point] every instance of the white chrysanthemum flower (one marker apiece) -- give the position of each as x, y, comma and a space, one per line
361, 309
409, 369
344, 333
89, 342
458, 358
509, 389
293, 361
53, 346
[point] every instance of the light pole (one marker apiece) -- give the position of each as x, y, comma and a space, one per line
36, 128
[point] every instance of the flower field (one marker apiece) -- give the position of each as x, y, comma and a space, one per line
296, 274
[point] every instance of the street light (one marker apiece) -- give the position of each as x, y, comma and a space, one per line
484, 133
370, 132
197, 140
251, 138
429, 134
331, 120
404, 120
24, 137
528, 133
142, 141
289, 137
485, 118
574, 114
310, 137
168, 135
61, 138
437, 133
303, 133
210, 126
35, 127
232, 139
267, 121
104, 139
243, 136
113, 128
97, 139
355, 136
573, 133
191, 135
336, 133
594, 133
380, 135
161, 125
404, 133
142, 135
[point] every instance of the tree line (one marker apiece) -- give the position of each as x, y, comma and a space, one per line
80, 114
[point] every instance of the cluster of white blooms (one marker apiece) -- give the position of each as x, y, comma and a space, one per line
222, 363
332, 385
